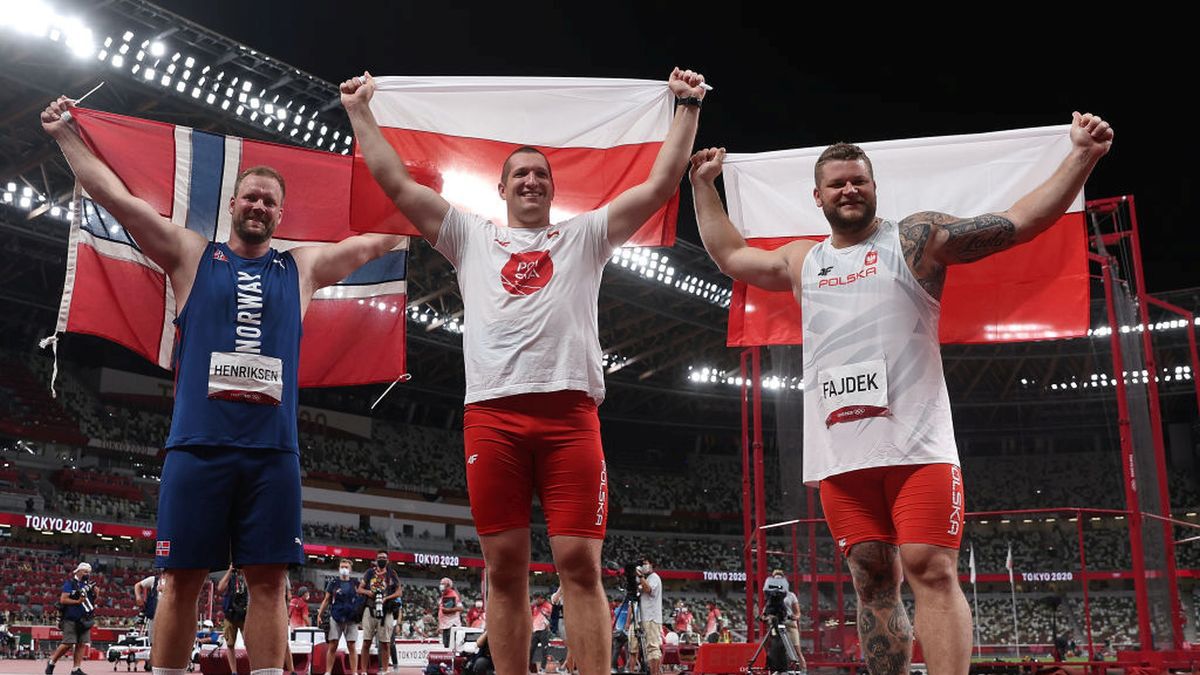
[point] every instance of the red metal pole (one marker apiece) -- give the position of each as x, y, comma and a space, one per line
747, 504
760, 507
1131, 495
1160, 457
1191, 336
1087, 611
813, 594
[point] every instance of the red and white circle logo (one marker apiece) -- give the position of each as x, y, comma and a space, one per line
871, 258
527, 273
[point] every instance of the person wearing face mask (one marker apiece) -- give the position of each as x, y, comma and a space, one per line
449, 609
475, 615
342, 601
381, 588
78, 600
651, 612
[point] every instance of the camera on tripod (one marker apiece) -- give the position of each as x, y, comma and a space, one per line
775, 590
633, 586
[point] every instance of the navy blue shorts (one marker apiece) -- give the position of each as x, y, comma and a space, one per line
218, 505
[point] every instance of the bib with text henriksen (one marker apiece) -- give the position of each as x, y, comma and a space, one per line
854, 391
245, 377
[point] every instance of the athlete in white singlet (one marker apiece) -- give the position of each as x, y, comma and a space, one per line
878, 437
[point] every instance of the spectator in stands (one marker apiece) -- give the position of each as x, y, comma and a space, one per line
78, 598
234, 603
449, 609
345, 608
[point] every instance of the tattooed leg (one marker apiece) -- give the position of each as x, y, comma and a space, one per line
943, 614
883, 628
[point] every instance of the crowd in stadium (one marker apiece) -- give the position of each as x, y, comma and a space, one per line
118, 484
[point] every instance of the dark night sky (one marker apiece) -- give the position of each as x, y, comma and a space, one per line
785, 81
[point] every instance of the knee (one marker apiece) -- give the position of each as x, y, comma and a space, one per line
578, 567
875, 569
182, 584
266, 582
935, 569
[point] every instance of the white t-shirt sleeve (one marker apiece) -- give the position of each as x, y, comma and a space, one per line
596, 224
455, 233
147, 583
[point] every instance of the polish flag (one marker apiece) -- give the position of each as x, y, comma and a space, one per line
601, 137
1035, 291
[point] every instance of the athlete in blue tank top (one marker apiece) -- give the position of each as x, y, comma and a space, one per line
232, 446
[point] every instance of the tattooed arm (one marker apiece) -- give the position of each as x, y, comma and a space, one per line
933, 240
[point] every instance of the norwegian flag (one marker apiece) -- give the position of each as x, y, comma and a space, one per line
162, 549
1036, 291
354, 332
601, 137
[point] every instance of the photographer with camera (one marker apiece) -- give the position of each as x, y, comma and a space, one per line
791, 606
649, 585
235, 600
682, 621
782, 647
381, 586
145, 595
77, 602
345, 607
449, 609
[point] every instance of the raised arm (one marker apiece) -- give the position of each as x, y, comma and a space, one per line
424, 207
173, 248
223, 584
932, 240
964, 240
771, 270
322, 266
630, 210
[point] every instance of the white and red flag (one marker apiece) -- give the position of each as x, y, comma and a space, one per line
601, 137
1035, 291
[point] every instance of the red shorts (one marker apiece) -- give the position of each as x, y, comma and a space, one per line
913, 504
549, 441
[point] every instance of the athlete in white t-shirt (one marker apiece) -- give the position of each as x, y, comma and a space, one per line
533, 364
877, 431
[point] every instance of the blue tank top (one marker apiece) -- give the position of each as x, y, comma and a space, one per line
237, 351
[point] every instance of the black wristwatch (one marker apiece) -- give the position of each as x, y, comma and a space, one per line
690, 100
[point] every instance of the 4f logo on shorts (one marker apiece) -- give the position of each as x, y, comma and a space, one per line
472, 458
162, 549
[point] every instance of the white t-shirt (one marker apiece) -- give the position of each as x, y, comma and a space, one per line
651, 603
530, 297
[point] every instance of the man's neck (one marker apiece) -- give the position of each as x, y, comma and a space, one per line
247, 250
842, 238
533, 222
